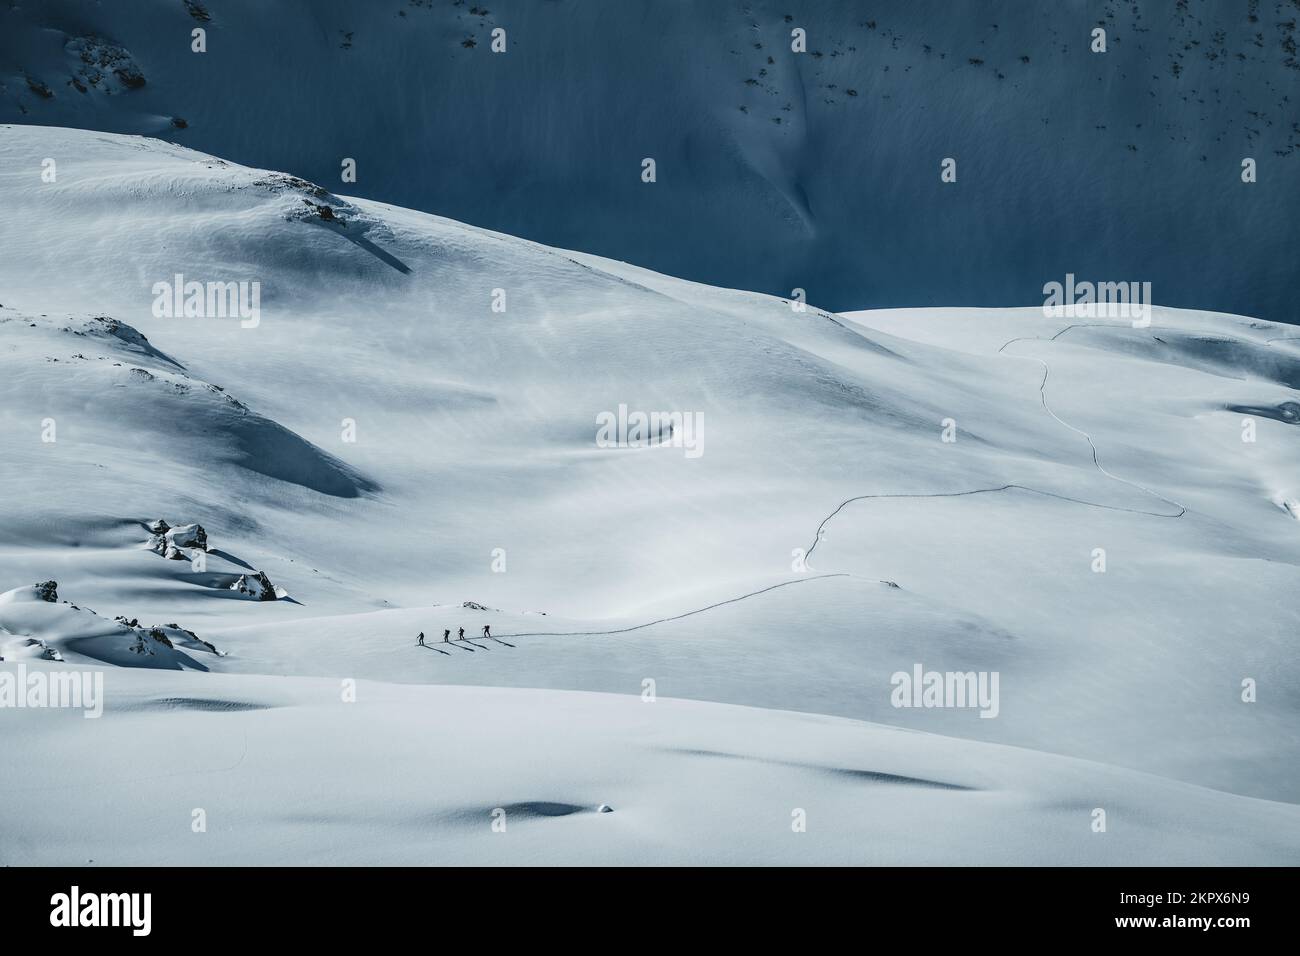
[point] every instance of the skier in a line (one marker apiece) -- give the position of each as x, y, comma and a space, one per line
487, 631
446, 635
420, 639
460, 634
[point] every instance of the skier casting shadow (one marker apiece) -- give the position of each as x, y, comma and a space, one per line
460, 636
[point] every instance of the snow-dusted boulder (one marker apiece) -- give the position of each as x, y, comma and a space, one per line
28, 648
188, 536
145, 641
183, 637
257, 586
176, 543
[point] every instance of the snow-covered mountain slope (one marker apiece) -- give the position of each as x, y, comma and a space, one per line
257, 770
774, 169
384, 447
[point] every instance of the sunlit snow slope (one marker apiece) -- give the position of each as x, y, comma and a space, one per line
475, 448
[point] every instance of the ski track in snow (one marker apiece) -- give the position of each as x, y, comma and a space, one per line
678, 617
1042, 394
1010, 486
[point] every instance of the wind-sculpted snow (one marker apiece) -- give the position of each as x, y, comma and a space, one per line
126, 379
32, 627
680, 782
1101, 515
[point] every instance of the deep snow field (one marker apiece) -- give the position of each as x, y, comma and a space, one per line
384, 447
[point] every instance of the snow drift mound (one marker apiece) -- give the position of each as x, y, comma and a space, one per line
35, 623
690, 783
99, 372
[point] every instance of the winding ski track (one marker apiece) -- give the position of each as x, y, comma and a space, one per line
993, 489
1013, 486
678, 617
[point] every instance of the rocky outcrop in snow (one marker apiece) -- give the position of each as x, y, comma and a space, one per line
34, 624
257, 586
171, 542
183, 541
188, 536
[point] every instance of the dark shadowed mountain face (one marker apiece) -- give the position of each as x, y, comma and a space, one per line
774, 169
